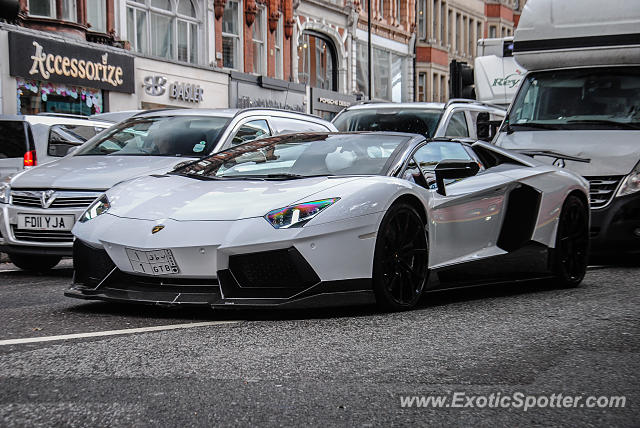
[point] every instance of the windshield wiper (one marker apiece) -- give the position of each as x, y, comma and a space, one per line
626, 125
536, 125
552, 154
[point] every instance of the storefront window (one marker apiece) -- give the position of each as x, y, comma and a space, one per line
97, 15
259, 46
37, 97
381, 74
69, 10
165, 29
316, 59
362, 71
231, 35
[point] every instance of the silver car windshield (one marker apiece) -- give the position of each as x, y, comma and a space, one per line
597, 98
413, 120
301, 155
189, 136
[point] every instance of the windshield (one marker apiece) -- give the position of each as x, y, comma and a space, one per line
414, 121
191, 136
602, 98
300, 155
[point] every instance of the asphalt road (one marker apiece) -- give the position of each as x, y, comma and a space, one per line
345, 367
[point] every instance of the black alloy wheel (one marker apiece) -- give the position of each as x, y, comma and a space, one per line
400, 264
572, 243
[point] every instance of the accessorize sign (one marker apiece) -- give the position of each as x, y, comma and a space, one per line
49, 60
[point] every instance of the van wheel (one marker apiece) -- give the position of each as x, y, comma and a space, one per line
34, 263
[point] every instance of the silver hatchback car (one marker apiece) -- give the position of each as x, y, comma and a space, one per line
38, 207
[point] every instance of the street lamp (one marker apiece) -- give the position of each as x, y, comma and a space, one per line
369, 51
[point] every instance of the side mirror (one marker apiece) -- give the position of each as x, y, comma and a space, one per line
452, 169
483, 126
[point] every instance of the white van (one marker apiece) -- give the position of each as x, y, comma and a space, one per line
31, 140
496, 73
581, 97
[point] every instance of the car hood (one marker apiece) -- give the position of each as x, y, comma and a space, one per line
92, 172
182, 198
611, 152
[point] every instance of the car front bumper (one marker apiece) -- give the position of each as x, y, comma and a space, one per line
615, 228
243, 263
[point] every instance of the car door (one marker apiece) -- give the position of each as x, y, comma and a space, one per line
464, 223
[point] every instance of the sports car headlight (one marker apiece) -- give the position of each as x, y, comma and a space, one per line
297, 215
5, 189
631, 183
98, 207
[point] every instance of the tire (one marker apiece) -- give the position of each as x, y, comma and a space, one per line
400, 262
571, 254
34, 263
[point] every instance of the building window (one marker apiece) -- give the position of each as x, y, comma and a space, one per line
434, 87
422, 28
97, 15
471, 40
47, 9
422, 86
259, 45
231, 26
278, 49
493, 31
69, 10
398, 10
434, 19
443, 12
316, 61
163, 28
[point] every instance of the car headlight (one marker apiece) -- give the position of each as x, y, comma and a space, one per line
98, 207
297, 215
631, 183
5, 190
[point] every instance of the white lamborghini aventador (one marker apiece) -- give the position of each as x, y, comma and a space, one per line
333, 219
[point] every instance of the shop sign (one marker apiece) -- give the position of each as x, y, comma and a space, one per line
189, 92
329, 101
53, 61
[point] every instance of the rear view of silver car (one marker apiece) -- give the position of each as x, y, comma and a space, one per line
39, 207
30, 140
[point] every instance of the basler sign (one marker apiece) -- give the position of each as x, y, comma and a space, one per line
54, 61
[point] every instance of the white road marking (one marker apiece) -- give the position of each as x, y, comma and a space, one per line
112, 332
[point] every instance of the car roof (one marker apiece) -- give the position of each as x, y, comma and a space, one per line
378, 105
53, 120
228, 112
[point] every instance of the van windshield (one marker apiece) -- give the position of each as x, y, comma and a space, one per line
412, 120
190, 136
592, 98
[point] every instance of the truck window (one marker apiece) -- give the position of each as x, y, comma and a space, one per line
13, 143
591, 98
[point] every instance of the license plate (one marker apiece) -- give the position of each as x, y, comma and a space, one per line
46, 222
152, 262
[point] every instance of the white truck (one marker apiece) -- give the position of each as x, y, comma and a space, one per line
581, 98
496, 73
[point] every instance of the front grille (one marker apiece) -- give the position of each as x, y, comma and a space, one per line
602, 189
91, 265
50, 236
59, 199
273, 269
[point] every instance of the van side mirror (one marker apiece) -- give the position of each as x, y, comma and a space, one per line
452, 169
483, 126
